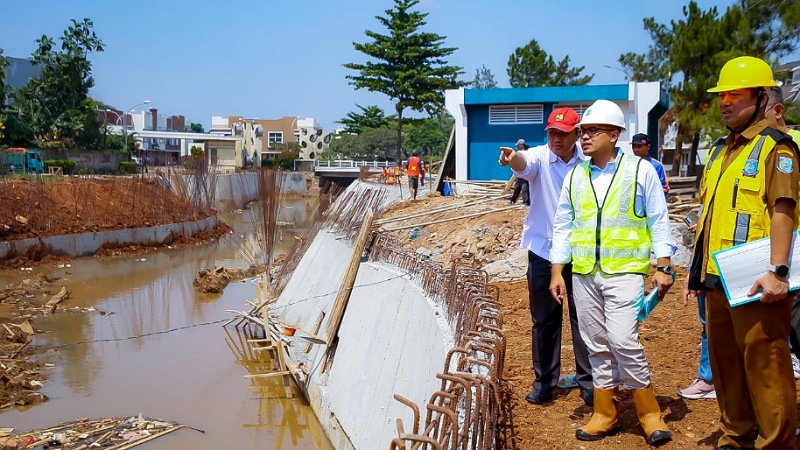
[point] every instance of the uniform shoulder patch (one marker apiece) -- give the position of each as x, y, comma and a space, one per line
785, 164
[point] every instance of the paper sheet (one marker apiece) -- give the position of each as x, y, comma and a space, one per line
739, 267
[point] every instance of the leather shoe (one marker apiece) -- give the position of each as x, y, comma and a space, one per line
539, 396
587, 394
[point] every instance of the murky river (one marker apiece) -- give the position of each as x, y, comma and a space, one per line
163, 351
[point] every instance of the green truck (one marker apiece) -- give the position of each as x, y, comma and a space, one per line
21, 160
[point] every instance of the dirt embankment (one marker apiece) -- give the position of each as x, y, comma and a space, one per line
56, 206
671, 336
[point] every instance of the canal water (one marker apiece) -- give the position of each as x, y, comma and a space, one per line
161, 349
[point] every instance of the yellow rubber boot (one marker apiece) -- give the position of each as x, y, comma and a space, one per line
655, 430
605, 419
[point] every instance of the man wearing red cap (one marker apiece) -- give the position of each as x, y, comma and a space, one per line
545, 167
641, 148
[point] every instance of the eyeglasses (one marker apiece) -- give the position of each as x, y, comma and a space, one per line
592, 132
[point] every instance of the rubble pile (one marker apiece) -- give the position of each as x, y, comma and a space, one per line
108, 433
443, 228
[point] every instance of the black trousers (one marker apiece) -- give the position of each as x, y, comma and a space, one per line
546, 331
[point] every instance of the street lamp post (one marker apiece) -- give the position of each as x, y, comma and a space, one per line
124, 122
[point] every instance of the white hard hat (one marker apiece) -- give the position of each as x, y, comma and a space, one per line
604, 112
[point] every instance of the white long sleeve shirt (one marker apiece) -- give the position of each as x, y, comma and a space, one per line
649, 201
545, 173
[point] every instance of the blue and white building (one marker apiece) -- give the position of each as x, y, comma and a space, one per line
487, 119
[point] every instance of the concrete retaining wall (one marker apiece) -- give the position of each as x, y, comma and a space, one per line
87, 244
391, 341
235, 190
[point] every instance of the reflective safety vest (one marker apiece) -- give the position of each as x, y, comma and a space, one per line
737, 202
413, 166
611, 236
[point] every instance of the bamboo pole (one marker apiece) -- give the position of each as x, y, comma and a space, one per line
476, 214
440, 173
458, 205
340, 304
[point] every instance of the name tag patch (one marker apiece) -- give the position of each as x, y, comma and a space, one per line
785, 164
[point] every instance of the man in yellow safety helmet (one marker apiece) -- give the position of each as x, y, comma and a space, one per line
610, 216
749, 192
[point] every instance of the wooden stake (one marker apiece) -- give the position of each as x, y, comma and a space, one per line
340, 304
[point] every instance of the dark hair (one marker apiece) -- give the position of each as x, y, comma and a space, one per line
413, 153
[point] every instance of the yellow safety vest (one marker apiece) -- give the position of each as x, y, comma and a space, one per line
611, 236
737, 202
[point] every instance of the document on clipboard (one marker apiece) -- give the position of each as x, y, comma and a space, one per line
739, 267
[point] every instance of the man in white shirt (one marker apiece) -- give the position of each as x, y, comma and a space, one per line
610, 215
544, 167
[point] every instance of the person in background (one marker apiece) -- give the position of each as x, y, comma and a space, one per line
774, 117
521, 186
611, 214
749, 192
641, 148
702, 386
413, 166
545, 167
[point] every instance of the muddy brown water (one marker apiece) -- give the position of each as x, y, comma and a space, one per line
160, 352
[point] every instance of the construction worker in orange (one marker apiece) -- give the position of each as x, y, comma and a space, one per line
412, 170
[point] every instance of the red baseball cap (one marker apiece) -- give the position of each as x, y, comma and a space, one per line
564, 119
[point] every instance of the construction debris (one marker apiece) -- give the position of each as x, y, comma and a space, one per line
109, 433
214, 280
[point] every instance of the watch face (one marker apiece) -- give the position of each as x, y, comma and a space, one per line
782, 271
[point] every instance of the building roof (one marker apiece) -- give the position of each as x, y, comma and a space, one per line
548, 94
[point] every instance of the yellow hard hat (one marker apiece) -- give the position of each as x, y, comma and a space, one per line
744, 72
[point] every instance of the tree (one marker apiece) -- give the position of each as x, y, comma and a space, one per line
197, 127
410, 69
3, 91
370, 118
377, 144
696, 47
55, 107
3, 87
430, 135
484, 79
531, 66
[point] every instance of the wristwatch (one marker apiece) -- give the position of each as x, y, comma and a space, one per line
666, 269
780, 270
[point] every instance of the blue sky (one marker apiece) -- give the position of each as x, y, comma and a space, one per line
273, 58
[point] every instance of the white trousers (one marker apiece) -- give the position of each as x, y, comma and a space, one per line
608, 309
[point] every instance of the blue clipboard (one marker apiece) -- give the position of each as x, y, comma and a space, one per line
647, 303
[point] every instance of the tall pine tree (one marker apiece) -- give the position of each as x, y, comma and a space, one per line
531, 66
408, 65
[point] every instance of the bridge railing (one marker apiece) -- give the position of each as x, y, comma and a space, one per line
349, 163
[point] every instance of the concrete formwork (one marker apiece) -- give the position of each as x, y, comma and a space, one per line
390, 341
235, 190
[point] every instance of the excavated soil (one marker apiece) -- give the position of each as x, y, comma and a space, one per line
671, 337
32, 208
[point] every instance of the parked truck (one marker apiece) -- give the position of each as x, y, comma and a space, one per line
21, 160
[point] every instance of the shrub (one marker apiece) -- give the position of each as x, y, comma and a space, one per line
67, 165
128, 167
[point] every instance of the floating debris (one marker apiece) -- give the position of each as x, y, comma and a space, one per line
109, 433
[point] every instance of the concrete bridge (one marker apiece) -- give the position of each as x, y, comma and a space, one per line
344, 172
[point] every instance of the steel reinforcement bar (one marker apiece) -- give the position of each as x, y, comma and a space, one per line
463, 413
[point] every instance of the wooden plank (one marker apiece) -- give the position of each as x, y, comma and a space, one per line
440, 173
475, 214
340, 304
